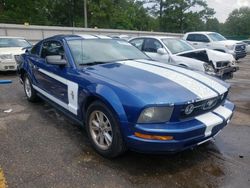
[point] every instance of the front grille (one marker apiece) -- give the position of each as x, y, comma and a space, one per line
9, 67
221, 64
240, 48
5, 56
201, 107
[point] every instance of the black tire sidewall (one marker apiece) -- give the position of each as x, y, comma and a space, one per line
117, 147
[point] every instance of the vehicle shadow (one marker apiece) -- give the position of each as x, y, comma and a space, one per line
7, 74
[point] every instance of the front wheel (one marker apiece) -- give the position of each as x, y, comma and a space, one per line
104, 131
29, 90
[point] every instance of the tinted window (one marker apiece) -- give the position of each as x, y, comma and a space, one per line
35, 50
52, 48
137, 43
13, 42
197, 38
151, 45
103, 50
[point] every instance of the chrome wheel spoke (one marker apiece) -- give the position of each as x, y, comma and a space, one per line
108, 128
101, 139
108, 138
95, 125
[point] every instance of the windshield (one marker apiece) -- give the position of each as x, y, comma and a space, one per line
87, 51
216, 37
176, 45
13, 42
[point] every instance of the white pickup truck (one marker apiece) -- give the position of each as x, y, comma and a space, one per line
216, 41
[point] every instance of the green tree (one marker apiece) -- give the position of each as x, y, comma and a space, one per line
14, 11
238, 22
213, 24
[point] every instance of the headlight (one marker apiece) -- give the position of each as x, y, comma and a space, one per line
230, 47
155, 115
233, 63
5, 56
208, 68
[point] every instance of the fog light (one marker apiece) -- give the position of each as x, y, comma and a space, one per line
153, 137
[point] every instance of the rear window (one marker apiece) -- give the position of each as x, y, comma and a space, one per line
197, 38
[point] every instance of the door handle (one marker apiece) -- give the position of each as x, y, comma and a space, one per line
34, 67
195, 43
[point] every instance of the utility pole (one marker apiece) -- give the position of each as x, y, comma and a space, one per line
85, 14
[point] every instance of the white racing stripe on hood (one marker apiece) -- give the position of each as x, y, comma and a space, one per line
199, 89
204, 79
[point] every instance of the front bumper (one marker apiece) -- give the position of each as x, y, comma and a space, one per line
239, 55
225, 73
8, 65
186, 134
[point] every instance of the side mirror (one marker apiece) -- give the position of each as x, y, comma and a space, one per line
161, 51
56, 60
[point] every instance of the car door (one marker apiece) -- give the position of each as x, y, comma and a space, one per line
52, 80
151, 46
198, 40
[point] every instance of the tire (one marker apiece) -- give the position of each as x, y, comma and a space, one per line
29, 90
104, 130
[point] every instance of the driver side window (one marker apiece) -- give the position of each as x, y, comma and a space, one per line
151, 45
52, 48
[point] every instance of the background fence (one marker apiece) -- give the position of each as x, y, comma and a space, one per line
35, 33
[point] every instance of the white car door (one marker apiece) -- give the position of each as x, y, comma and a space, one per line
198, 40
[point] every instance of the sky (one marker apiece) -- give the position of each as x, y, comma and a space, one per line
224, 7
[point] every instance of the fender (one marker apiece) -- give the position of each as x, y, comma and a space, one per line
109, 97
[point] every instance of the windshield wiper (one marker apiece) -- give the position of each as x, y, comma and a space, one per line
93, 63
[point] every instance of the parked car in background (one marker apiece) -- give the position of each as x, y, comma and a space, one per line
179, 52
216, 41
248, 45
9, 47
122, 37
124, 99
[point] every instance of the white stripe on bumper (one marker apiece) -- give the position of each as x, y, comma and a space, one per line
199, 89
210, 120
224, 112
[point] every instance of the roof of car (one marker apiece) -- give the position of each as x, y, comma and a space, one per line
200, 32
155, 37
83, 36
10, 37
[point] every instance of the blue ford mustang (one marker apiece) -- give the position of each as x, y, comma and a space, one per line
124, 99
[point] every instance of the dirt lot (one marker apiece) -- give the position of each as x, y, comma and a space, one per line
39, 147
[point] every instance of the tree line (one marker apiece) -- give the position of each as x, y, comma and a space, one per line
178, 16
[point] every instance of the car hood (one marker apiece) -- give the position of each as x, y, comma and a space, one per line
158, 83
12, 50
212, 55
179, 59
